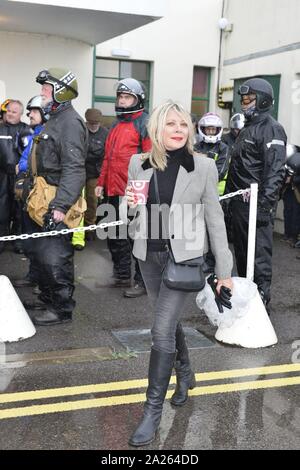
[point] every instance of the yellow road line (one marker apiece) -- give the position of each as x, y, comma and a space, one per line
141, 383
140, 397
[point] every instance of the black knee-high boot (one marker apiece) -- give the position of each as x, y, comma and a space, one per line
160, 370
185, 377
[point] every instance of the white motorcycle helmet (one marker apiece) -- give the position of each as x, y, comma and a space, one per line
210, 120
290, 150
237, 121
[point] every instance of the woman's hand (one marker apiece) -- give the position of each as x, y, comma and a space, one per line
226, 283
131, 197
58, 216
99, 190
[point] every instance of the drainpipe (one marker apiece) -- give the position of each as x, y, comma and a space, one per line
220, 50
94, 73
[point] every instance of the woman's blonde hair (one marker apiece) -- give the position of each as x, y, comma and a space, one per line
156, 125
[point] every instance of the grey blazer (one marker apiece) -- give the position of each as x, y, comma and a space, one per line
196, 220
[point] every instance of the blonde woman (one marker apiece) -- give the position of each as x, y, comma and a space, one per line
187, 185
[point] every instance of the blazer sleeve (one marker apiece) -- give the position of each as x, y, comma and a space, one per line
215, 225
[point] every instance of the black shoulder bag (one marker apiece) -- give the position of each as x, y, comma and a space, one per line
185, 276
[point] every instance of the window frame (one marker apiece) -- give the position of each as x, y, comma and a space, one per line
207, 98
111, 99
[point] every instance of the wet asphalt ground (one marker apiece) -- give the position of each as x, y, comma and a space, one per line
84, 388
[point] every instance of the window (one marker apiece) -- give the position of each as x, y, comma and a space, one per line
201, 90
107, 73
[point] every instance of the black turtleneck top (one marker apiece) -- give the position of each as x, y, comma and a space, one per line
157, 236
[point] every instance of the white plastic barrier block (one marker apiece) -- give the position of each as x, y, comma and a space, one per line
247, 324
15, 323
254, 330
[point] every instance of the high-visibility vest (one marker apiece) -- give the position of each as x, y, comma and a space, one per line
78, 238
222, 183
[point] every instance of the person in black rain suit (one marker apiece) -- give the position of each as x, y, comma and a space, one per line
210, 128
257, 156
10, 151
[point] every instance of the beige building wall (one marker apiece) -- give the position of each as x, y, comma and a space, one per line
187, 36
38, 34
265, 40
33, 53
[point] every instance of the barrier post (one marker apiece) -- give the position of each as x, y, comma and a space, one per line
252, 231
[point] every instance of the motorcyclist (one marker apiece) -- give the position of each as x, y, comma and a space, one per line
60, 153
128, 136
236, 124
210, 129
258, 156
11, 147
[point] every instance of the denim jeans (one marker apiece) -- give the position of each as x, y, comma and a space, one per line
168, 304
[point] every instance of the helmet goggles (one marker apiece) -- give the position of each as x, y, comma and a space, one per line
247, 94
244, 90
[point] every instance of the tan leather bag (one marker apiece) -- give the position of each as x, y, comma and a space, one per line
40, 197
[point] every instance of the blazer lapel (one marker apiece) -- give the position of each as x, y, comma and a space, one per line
145, 174
183, 179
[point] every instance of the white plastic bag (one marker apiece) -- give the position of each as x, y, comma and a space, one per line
247, 324
243, 292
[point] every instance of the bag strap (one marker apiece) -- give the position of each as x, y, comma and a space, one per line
156, 188
33, 156
162, 222
33, 160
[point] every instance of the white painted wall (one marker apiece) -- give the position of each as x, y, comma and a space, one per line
187, 36
27, 54
265, 26
260, 25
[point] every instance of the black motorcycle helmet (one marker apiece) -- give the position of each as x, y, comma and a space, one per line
263, 91
292, 164
131, 87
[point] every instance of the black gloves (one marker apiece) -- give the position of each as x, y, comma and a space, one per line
49, 223
263, 216
225, 294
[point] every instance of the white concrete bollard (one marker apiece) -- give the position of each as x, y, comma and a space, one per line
15, 323
253, 330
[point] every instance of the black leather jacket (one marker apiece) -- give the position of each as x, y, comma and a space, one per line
218, 152
258, 156
95, 152
60, 153
10, 145
229, 139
